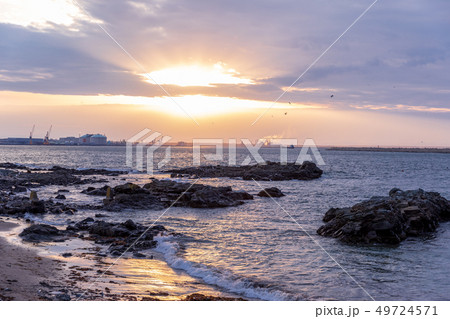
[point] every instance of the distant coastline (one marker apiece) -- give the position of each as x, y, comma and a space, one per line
392, 149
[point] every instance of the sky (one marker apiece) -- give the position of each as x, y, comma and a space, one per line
228, 69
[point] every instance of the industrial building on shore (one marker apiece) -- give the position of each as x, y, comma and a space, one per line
87, 139
93, 139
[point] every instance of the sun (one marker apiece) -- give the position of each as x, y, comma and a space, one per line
196, 75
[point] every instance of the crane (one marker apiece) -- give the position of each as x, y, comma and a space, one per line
47, 136
31, 135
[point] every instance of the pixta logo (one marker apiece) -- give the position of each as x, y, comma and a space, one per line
141, 148
146, 143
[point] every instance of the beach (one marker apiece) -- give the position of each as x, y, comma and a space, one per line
225, 240
26, 275
22, 269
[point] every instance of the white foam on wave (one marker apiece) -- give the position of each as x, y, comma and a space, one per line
211, 276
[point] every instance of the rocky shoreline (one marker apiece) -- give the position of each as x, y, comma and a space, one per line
25, 275
118, 237
389, 219
159, 194
269, 171
17, 178
19, 188
379, 220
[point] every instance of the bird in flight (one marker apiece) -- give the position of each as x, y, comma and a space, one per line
332, 95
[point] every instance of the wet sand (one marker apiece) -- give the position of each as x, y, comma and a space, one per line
26, 275
21, 269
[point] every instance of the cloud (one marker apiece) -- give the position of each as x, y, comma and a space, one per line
43, 14
23, 75
397, 54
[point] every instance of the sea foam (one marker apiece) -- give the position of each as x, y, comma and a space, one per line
223, 279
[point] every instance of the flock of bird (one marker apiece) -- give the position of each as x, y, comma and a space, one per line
285, 113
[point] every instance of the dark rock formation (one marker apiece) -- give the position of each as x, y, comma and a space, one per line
271, 192
18, 189
92, 191
21, 205
202, 297
388, 219
84, 172
13, 205
63, 297
15, 177
271, 171
12, 166
119, 236
159, 194
133, 201
41, 232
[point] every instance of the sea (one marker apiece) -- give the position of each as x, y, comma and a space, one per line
268, 249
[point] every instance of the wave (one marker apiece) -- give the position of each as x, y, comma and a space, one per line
109, 169
36, 219
225, 280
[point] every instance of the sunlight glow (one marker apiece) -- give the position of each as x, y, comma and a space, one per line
195, 75
202, 106
42, 14
196, 105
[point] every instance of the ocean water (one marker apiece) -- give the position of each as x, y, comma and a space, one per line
257, 251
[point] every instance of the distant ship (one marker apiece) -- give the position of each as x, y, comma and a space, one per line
291, 146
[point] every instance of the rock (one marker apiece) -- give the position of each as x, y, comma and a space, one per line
36, 207
41, 232
33, 196
66, 255
270, 171
101, 216
60, 197
109, 194
159, 228
128, 188
271, 192
16, 177
105, 229
12, 166
50, 178
202, 297
196, 195
129, 224
132, 201
81, 225
90, 171
159, 194
122, 236
20, 205
145, 298
63, 297
63, 191
387, 220
92, 191
19, 189
211, 198
240, 195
